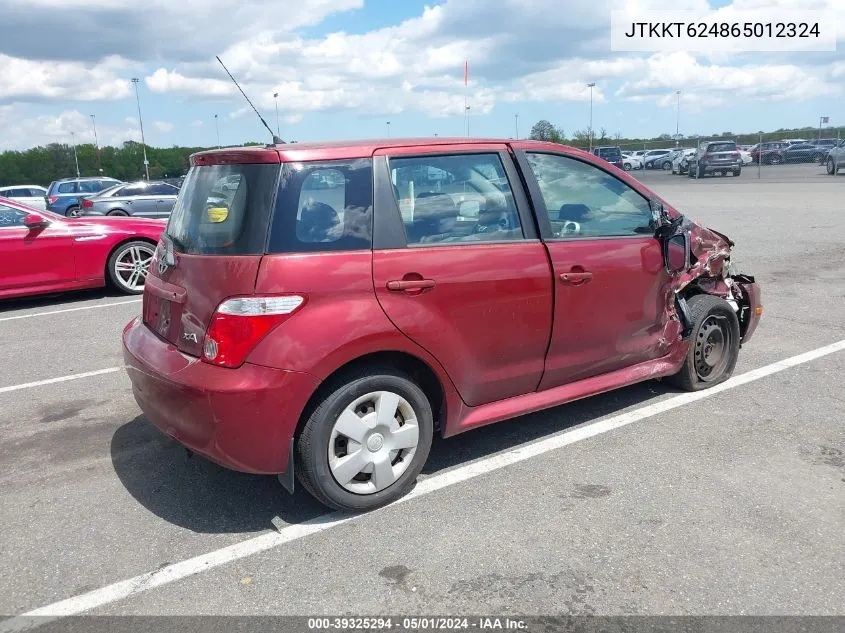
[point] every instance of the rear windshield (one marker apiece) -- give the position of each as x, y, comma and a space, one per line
224, 209
721, 147
610, 152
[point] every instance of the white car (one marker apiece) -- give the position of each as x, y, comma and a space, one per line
630, 161
745, 157
29, 195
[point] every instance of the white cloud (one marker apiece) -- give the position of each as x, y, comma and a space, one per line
22, 131
34, 79
163, 126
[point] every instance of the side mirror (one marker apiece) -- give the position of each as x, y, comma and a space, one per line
34, 221
676, 255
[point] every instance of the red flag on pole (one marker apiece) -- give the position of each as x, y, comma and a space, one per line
466, 73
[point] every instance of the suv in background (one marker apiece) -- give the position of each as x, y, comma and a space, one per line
765, 152
835, 159
64, 195
436, 285
611, 153
715, 157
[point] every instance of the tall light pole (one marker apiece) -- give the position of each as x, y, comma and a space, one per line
217, 129
516, 126
590, 129
466, 114
388, 129
678, 119
135, 81
75, 159
97, 145
278, 129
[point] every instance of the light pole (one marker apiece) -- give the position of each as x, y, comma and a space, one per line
97, 145
75, 159
388, 129
135, 81
678, 119
466, 115
278, 129
516, 126
217, 129
590, 129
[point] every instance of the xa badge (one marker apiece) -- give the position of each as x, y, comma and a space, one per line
190, 337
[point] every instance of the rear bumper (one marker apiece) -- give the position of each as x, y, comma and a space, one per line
711, 167
243, 419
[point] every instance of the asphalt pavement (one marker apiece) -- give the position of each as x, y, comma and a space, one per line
633, 502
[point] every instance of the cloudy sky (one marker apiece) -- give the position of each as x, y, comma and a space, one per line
343, 68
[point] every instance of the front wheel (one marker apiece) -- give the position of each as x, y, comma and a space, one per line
775, 160
667, 165
128, 266
715, 344
737, 172
831, 167
367, 440
626, 166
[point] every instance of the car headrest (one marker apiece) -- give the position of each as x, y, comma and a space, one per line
318, 223
575, 212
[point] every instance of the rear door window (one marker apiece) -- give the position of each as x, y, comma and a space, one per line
324, 206
67, 187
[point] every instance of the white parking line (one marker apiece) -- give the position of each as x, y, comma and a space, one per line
51, 381
99, 305
205, 562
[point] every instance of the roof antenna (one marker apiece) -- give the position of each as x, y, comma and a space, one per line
276, 139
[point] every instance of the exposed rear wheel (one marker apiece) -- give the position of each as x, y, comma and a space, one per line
72, 212
365, 443
128, 266
715, 344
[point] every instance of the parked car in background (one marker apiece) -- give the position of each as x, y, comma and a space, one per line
653, 158
798, 153
176, 182
835, 159
680, 164
745, 156
825, 143
764, 152
30, 195
351, 332
794, 141
715, 157
63, 195
630, 161
144, 199
43, 252
610, 153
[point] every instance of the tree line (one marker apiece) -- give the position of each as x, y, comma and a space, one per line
43, 165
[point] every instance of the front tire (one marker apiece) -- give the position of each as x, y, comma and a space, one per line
737, 172
366, 442
715, 344
128, 265
831, 167
667, 165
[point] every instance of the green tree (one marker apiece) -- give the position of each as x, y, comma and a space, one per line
545, 131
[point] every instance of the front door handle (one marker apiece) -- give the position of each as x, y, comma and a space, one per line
576, 278
410, 284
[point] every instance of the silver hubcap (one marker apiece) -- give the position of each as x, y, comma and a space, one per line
132, 266
73, 213
373, 442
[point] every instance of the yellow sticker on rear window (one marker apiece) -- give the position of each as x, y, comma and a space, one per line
218, 214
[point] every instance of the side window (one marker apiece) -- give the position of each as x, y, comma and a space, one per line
162, 189
67, 187
584, 201
135, 190
37, 193
10, 217
455, 199
324, 206
20, 193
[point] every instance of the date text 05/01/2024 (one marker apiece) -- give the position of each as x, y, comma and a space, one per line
416, 623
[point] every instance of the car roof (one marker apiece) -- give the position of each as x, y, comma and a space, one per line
81, 178
360, 148
4, 187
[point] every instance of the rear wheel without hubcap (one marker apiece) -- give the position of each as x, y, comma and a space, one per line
128, 266
366, 441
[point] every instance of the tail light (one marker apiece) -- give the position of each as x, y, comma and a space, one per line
52, 199
87, 204
240, 323
734, 154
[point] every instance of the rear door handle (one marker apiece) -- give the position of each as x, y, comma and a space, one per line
410, 284
576, 278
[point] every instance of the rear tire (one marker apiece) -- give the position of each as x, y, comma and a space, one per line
737, 172
775, 160
667, 165
326, 449
118, 213
626, 166
715, 344
128, 266
72, 212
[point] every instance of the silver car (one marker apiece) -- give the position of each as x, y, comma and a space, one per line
142, 199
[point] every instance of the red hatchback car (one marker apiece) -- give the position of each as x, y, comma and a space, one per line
326, 308
42, 252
